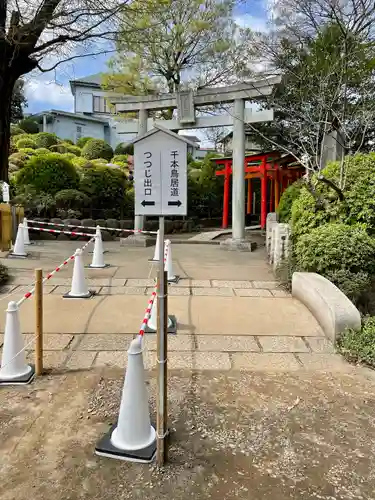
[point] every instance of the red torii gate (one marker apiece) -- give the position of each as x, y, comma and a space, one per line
281, 170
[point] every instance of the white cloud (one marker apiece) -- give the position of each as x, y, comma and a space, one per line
49, 93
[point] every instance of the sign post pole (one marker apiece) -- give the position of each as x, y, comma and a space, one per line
161, 403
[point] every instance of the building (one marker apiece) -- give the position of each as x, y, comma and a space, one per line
94, 117
250, 145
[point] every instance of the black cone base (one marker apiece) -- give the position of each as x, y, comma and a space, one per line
105, 448
95, 267
174, 280
22, 380
90, 294
15, 256
170, 329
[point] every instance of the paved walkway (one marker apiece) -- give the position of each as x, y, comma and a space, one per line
231, 313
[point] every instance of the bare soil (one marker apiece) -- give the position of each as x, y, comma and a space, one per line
246, 436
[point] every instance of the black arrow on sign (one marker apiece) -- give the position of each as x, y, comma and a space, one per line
145, 203
174, 203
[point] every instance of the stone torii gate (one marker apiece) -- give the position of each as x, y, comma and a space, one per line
186, 103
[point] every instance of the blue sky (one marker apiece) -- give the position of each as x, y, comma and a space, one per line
51, 90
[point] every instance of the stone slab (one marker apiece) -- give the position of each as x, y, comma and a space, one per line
320, 345
51, 359
227, 343
252, 292
138, 240
81, 360
140, 282
325, 362
175, 342
268, 285
62, 290
231, 244
112, 282
210, 361
111, 358
51, 342
225, 292
122, 290
283, 344
232, 284
175, 290
102, 342
280, 293
265, 362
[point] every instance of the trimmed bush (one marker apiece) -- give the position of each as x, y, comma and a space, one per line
122, 149
127, 149
15, 130
80, 162
74, 150
68, 141
336, 247
45, 140
286, 201
120, 159
82, 141
96, 148
4, 275
105, 186
100, 161
48, 173
71, 199
26, 143
29, 125
69, 156
359, 347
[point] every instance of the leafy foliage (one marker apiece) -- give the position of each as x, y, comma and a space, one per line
18, 101
26, 143
48, 173
4, 274
29, 125
69, 200
45, 140
15, 130
120, 158
287, 199
97, 148
123, 149
82, 141
359, 346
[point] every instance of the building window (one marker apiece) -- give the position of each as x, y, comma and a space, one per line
79, 132
101, 105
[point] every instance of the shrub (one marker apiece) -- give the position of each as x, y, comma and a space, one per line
82, 141
68, 141
45, 140
69, 156
96, 148
18, 159
120, 159
123, 149
80, 162
100, 161
40, 151
15, 130
105, 186
29, 125
71, 199
356, 286
4, 275
286, 201
59, 148
25, 143
73, 149
359, 346
49, 173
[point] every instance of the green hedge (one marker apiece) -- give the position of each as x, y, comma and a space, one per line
286, 201
29, 125
359, 347
26, 143
96, 148
82, 141
45, 140
124, 149
104, 185
48, 173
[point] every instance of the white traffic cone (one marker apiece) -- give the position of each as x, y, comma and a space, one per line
14, 369
19, 245
133, 438
156, 256
168, 266
97, 256
26, 238
152, 323
79, 288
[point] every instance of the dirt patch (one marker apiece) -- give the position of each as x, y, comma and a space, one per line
259, 436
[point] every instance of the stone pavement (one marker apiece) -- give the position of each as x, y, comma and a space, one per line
231, 313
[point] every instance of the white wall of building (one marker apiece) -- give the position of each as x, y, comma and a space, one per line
73, 128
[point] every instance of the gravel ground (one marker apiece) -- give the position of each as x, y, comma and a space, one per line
247, 436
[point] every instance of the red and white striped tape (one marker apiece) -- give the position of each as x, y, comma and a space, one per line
147, 312
88, 227
57, 231
56, 270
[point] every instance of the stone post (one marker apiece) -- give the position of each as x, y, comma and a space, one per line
270, 221
142, 129
281, 243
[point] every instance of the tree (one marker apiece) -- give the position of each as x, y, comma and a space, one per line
18, 101
33, 31
183, 43
329, 91
215, 135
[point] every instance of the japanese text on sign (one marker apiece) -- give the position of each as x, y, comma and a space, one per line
147, 182
174, 178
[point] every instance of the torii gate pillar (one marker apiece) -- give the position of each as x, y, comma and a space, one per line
142, 129
238, 181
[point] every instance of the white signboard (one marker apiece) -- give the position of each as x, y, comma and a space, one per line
160, 175
6, 197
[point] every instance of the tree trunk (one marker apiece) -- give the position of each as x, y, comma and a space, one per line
7, 82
